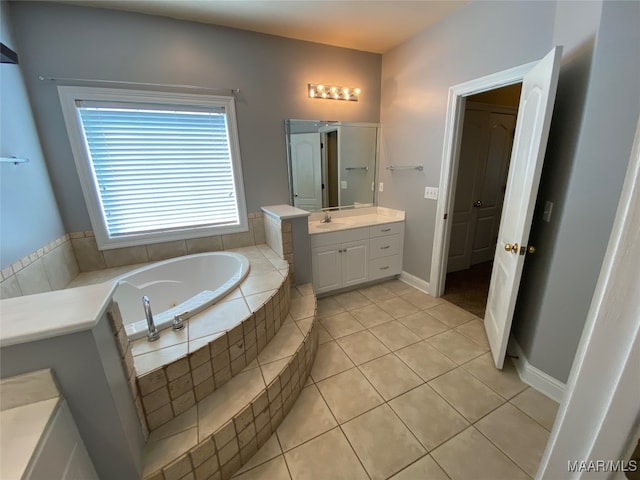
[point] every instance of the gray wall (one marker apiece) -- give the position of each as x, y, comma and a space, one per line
479, 39
592, 137
272, 73
590, 141
29, 217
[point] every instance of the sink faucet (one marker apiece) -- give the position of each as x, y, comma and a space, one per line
152, 333
327, 218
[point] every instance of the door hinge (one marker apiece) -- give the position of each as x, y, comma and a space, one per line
446, 215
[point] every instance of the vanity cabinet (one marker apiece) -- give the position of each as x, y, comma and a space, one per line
353, 256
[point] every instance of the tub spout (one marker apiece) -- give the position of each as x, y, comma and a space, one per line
152, 333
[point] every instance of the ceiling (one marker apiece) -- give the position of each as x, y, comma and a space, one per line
368, 25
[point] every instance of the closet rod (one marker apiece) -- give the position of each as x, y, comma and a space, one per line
366, 169
139, 84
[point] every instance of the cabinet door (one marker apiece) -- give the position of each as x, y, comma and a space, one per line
355, 262
327, 268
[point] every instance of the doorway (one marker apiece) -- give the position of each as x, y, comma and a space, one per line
485, 152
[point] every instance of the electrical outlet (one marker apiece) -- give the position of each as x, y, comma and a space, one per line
381, 187
431, 193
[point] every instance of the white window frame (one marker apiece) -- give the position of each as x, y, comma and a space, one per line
69, 95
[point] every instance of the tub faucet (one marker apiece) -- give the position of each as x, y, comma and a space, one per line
327, 218
152, 333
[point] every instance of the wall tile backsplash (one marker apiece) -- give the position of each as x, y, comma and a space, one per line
56, 264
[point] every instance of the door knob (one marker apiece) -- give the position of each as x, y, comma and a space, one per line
477, 204
531, 249
511, 248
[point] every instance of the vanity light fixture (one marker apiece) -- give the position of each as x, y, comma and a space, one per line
333, 92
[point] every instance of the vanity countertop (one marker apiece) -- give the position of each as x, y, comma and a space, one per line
356, 218
28, 403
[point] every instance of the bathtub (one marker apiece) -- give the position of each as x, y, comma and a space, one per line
180, 286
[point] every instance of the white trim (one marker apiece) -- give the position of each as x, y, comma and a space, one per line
534, 377
68, 97
598, 418
415, 282
449, 169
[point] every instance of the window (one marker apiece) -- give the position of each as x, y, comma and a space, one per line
155, 167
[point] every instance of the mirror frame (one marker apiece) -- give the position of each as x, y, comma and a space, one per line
330, 123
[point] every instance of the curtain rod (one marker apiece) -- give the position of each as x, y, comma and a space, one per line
140, 84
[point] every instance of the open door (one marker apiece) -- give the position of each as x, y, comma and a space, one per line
305, 169
532, 131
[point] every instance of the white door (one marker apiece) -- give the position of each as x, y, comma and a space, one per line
473, 149
491, 187
305, 169
532, 131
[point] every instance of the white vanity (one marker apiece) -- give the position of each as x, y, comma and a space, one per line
357, 246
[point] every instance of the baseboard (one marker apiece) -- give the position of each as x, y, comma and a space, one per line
534, 377
416, 282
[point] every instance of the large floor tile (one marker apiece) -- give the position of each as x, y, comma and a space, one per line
362, 347
302, 307
469, 455
328, 456
377, 292
330, 359
309, 417
420, 299
506, 381
398, 286
423, 324
341, 324
465, 393
394, 335
383, 443
275, 469
451, 315
349, 394
351, 300
428, 416
328, 306
390, 376
397, 307
538, 406
425, 360
424, 469
457, 347
517, 435
475, 331
157, 454
371, 315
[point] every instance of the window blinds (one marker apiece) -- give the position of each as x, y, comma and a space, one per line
160, 168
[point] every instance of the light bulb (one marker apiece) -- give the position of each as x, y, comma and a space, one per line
357, 91
320, 88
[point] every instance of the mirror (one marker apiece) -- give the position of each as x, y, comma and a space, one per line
331, 164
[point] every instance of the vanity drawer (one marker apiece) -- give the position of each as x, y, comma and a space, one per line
385, 246
386, 229
339, 236
385, 267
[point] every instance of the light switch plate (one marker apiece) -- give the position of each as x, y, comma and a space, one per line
381, 187
343, 184
431, 193
548, 207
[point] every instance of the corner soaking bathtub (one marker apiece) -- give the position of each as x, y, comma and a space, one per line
180, 286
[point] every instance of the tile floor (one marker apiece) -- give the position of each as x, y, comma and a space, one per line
403, 387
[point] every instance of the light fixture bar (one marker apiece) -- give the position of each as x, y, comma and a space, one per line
333, 92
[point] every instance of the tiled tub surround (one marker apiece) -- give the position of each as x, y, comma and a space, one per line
216, 436
50, 268
57, 264
183, 367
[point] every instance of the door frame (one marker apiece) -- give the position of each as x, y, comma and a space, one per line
450, 158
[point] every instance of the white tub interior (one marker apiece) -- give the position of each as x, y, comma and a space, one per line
179, 286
